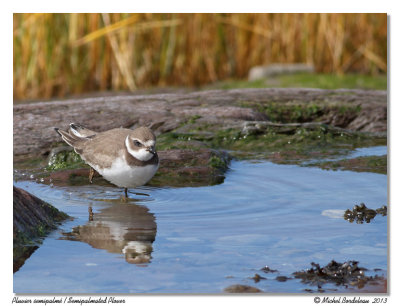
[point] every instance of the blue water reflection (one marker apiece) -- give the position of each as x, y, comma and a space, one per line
208, 238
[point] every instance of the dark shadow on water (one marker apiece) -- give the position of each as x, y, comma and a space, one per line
123, 228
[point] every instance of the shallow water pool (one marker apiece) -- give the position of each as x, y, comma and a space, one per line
204, 239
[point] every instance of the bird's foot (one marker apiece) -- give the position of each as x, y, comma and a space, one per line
91, 173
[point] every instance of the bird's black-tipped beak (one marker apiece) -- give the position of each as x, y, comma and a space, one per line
152, 150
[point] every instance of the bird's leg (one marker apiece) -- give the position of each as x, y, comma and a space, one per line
91, 173
126, 192
90, 213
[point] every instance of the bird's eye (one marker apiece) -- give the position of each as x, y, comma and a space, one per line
137, 143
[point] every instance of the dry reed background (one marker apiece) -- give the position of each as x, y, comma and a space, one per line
62, 54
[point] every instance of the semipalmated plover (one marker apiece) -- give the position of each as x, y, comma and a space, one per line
126, 158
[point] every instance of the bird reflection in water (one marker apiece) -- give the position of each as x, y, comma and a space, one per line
123, 228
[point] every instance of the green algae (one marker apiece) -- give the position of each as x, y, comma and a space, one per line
279, 138
279, 143
181, 179
295, 133
219, 163
195, 168
65, 159
299, 112
284, 144
375, 164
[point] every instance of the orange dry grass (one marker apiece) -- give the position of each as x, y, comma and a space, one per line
60, 54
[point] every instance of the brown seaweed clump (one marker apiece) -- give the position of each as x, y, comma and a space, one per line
345, 274
361, 213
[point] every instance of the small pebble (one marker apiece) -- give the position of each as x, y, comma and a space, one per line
282, 278
257, 278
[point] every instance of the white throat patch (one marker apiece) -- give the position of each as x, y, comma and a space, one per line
141, 154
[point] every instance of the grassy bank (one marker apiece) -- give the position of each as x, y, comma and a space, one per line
307, 80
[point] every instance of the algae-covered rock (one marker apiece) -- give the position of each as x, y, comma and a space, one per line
32, 220
185, 167
376, 164
359, 110
361, 213
62, 158
283, 125
289, 143
193, 165
348, 273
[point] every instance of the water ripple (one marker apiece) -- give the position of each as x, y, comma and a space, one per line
284, 216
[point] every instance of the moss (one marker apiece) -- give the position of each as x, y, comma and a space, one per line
189, 140
219, 163
280, 144
65, 160
20, 254
193, 119
195, 168
290, 112
278, 112
34, 234
27, 240
185, 179
55, 214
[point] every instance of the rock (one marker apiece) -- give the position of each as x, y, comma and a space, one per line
376, 164
284, 125
187, 167
68, 177
178, 167
242, 289
267, 269
32, 220
361, 213
261, 72
282, 278
257, 278
220, 109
